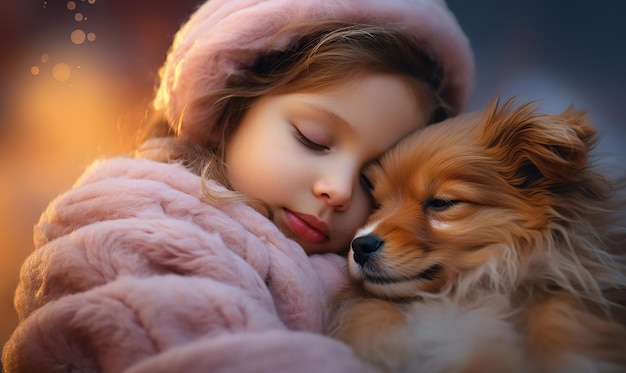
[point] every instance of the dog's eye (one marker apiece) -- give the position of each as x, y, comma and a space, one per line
439, 204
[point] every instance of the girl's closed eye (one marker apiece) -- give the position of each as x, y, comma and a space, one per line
368, 187
308, 142
366, 183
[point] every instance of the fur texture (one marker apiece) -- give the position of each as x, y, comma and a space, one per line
132, 272
497, 246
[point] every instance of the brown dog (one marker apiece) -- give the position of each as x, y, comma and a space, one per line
496, 247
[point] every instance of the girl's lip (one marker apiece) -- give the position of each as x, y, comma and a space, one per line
306, 226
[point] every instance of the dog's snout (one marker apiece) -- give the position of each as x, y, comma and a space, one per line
365, 246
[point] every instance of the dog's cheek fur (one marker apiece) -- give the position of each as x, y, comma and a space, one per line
413, 244
406, 254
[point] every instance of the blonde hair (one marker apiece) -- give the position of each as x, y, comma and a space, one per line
326, 53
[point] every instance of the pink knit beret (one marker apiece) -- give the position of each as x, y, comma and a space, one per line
222, 35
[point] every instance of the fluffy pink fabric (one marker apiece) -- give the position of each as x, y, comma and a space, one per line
224, 34
133, 273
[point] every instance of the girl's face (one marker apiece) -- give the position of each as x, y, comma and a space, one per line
303, 154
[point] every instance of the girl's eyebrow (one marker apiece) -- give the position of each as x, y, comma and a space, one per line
330, 115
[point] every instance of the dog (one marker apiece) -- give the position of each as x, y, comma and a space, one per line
496, 245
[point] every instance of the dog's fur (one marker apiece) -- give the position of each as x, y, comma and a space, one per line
496, 246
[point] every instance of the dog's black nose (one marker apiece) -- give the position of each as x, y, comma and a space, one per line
365, 246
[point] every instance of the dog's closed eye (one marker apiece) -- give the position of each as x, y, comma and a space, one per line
439, 204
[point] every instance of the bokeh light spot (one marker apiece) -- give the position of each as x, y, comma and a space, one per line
45, 57
61, 72
78, 17
78, 36
91, 36
71, 5
34, 70
92, 1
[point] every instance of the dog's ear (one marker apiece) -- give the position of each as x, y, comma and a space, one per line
537, 149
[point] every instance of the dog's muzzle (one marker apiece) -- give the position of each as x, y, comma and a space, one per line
365, 247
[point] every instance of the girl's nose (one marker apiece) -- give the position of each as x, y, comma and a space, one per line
335, 190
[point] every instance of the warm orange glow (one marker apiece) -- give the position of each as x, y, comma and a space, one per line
63, 121
66, 110
68, 102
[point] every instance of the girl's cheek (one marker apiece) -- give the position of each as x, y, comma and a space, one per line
364, 206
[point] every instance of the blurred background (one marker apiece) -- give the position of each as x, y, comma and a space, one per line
76, 76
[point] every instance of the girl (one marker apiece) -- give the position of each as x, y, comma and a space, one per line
214, 248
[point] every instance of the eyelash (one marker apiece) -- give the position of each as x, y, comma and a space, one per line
365, 181
440, 204
308, 143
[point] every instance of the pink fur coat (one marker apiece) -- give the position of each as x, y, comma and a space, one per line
133, 273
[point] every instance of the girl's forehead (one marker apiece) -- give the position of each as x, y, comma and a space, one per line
381, 109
